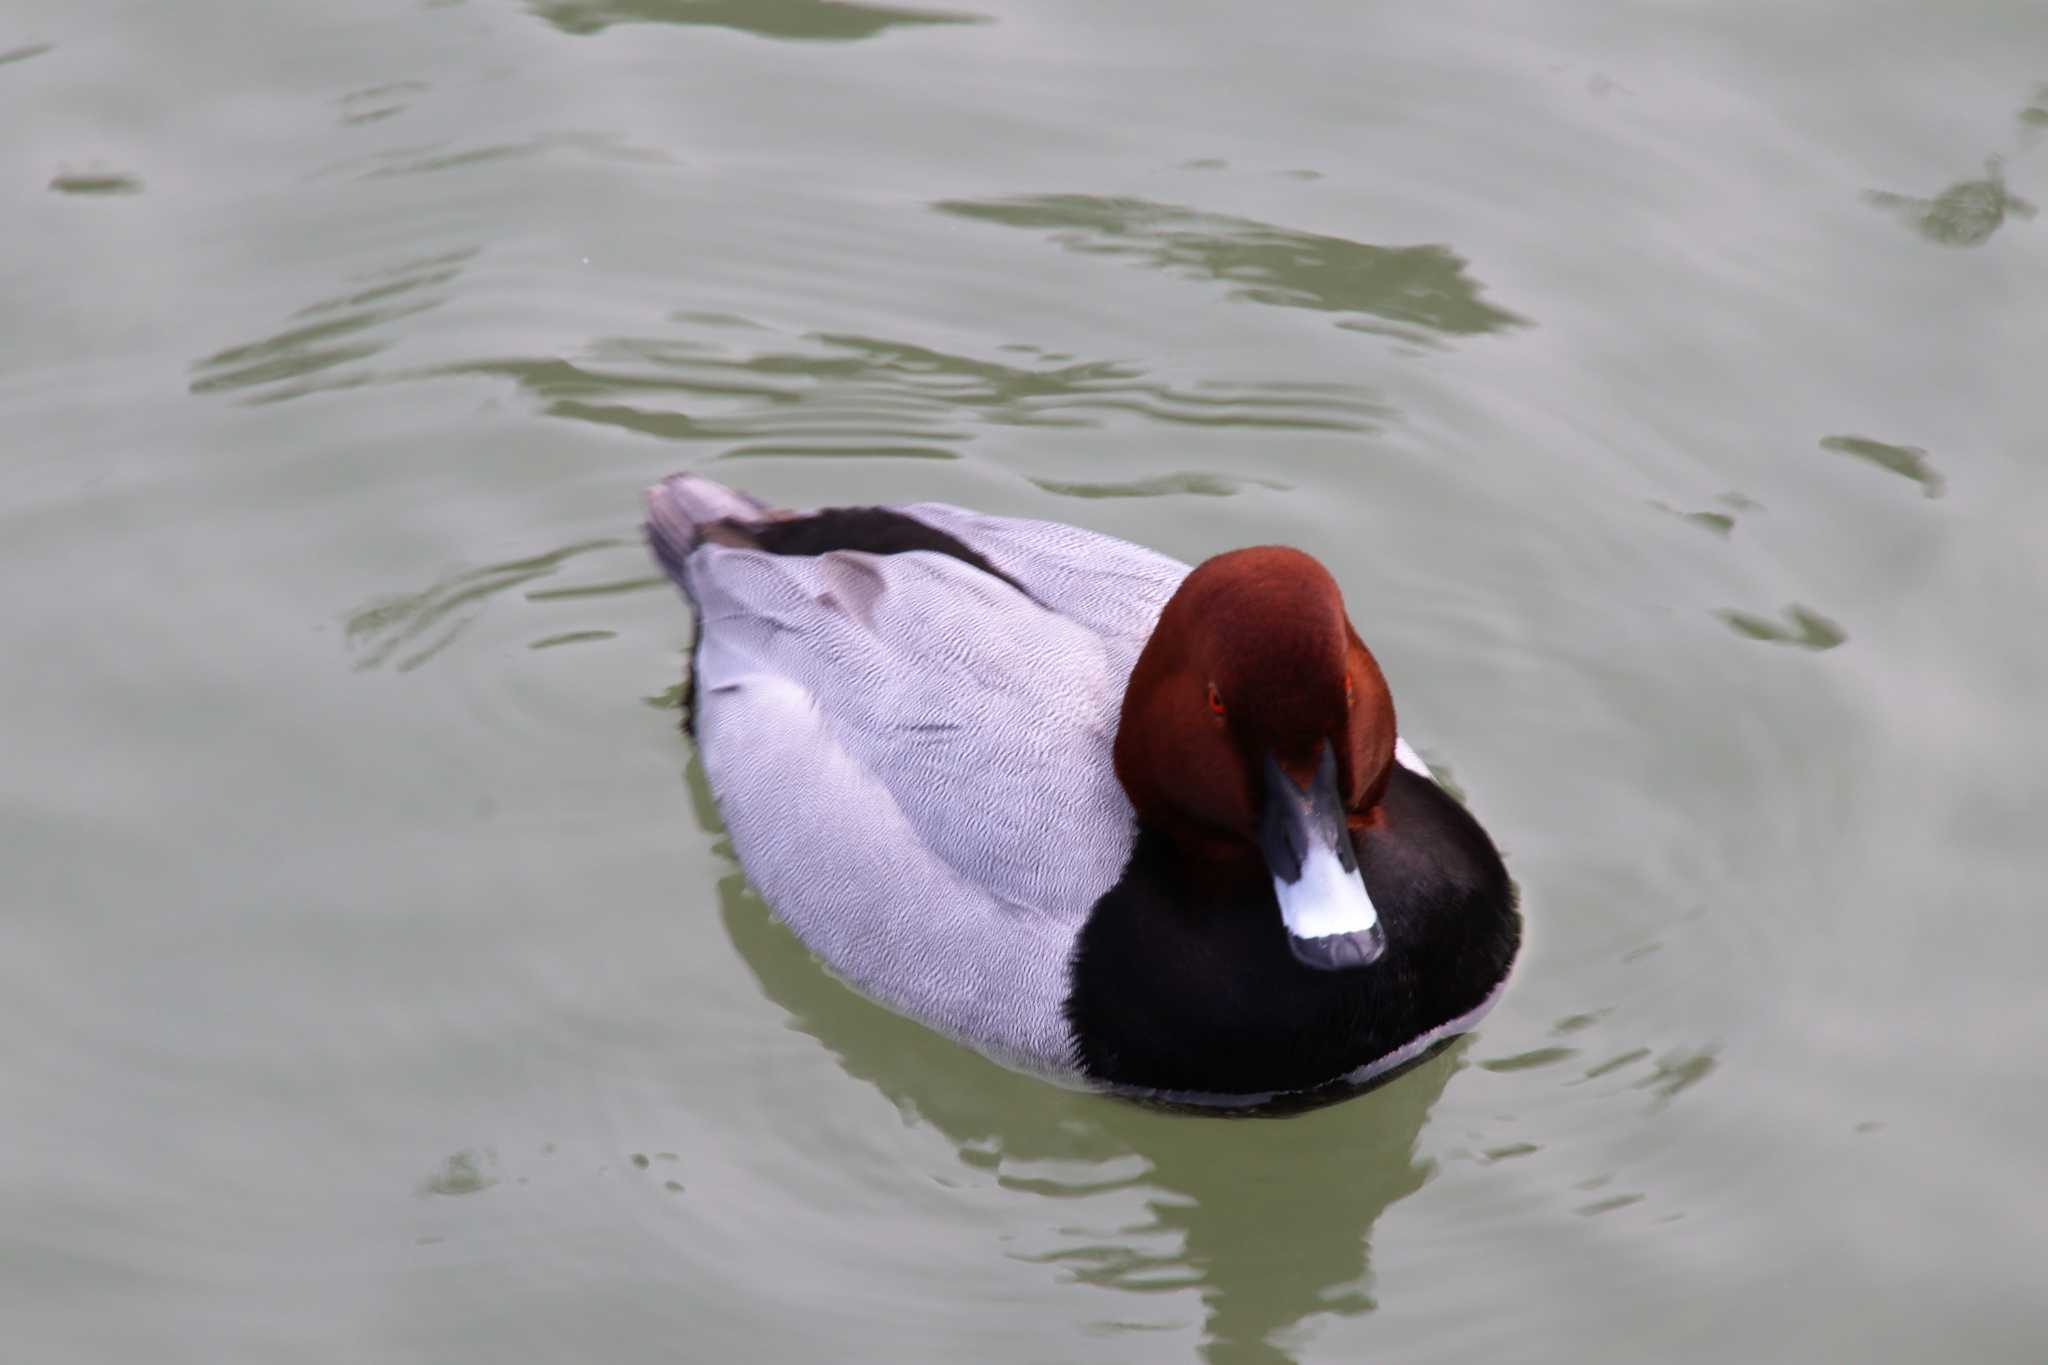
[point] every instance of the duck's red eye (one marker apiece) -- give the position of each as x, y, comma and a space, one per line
1215, 702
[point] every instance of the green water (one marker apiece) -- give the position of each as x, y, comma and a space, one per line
1664, 383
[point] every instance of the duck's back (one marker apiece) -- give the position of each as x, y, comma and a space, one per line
911, 749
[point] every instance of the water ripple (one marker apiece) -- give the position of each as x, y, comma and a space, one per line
1679, 1071
1802, 627
838, 394
436, 157
1415, 292
378, 102
824, 21
1197, 483
1964, 214
96, 182
761, 392
331, 333
24, 52
405, 630
2035, 114
1908, 462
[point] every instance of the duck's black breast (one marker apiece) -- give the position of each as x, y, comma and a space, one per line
1187, 987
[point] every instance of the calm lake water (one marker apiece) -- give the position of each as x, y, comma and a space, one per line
1664, 383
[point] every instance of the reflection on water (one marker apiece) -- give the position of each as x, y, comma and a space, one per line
1670, 1074
1721, 523
427, 160
1196, 482
1616, 1063
1908, 462
24, 52
379, 102
405, 630
1801, 626
1608, 1205
1964, 214
762, 393
331, 333
1412, 291
1530, 1060
464, 1172
95, 182
827, 394
814, 20
1679, 1071
1664, 1076
757, 392
2035, 115
1268, 1221
573, 637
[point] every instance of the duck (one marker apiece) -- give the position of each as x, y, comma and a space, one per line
1107, 818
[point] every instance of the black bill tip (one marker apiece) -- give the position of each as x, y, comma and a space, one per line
1339, 952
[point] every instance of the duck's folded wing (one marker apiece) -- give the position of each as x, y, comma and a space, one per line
913, 759
1113, 587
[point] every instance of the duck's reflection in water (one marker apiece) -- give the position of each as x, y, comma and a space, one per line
1267, 1220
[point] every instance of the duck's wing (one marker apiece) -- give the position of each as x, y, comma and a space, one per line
913, 760
1115, 588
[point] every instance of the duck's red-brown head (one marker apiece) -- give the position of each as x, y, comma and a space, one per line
1257, 724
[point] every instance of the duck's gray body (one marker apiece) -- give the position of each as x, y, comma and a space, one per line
913, 757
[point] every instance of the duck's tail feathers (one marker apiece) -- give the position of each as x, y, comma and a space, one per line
684, 511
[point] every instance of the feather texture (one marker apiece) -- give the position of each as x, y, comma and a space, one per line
912, 757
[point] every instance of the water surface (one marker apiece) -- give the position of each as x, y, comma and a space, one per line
1663, 385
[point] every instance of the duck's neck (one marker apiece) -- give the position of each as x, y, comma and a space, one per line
1205, 865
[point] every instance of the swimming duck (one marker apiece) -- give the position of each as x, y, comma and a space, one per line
1097, 814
